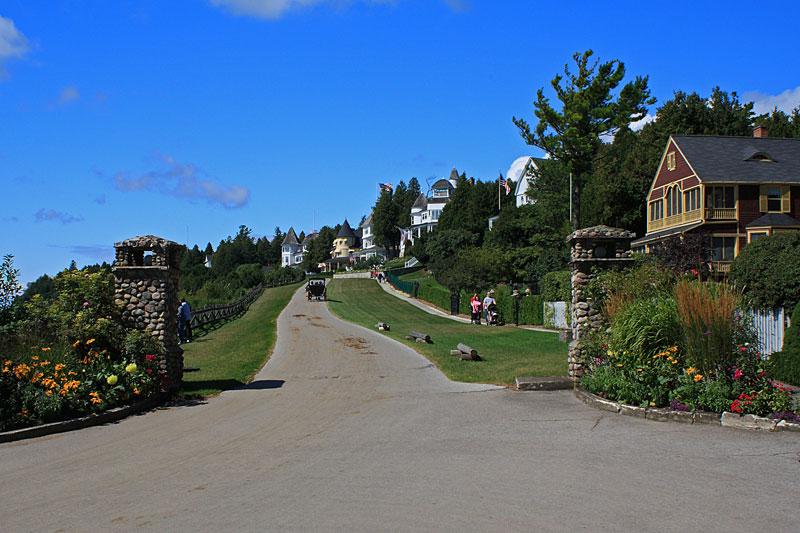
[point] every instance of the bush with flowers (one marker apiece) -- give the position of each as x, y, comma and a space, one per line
71, 357
679, 343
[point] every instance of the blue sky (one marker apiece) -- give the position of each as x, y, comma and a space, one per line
179, 118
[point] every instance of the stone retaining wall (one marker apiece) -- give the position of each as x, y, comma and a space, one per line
659, 414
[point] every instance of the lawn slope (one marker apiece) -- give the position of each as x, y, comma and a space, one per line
509, 352
230, 356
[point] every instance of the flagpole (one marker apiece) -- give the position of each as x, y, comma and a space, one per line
498, 190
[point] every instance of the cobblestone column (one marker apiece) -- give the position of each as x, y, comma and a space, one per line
146, 276
591, 249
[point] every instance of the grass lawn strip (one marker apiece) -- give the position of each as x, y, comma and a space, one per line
509, 352
230, 356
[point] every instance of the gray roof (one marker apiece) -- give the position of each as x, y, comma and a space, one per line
311, 236
442, 183
345, 231
730, 159
291, 237
367, 221
454, 174
421, 202
663, 234
774, 219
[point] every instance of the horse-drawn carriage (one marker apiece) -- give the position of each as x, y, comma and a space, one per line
315, 288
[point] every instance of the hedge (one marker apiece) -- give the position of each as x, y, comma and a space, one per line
530, 307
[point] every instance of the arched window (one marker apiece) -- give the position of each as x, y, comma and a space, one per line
674, 204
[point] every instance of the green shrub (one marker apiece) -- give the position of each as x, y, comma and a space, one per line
786, 363
556, 286
770, 269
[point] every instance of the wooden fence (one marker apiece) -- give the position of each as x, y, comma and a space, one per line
770, 326
209, 314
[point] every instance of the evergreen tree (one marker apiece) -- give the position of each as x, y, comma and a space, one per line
588, 112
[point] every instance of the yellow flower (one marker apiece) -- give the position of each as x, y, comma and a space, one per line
698, 377
619, 364
60, 366
111, 380
673, 349
690, 370
674, 361
638, 369
95, 397
131, 368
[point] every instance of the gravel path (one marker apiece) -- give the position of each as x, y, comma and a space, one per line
346, 430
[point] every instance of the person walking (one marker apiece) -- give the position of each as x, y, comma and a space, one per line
184, 322
489, 300
475, 304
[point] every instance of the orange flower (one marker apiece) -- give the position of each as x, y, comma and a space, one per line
46, 349
76, 343
698, 377
90, 341
60, 366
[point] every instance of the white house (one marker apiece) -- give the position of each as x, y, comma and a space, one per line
291, 250
426, 211
368, 247
521, 171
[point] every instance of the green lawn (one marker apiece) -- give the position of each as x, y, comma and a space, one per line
510, 352
230, 356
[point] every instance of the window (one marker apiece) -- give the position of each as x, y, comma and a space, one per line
691, 199
441, 193
674, 204
435, 214
723, 248
757, 235
657, 210
774, 199
720, 197
671, 161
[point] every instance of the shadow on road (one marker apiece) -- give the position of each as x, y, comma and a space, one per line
264, 384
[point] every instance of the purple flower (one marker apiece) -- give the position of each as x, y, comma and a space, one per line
707, 333
86, 304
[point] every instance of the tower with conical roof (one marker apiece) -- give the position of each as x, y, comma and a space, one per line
291, 250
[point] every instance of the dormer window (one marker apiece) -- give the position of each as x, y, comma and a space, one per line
671, 165
760, 156
441, 193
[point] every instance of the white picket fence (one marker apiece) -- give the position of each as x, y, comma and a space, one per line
770, 326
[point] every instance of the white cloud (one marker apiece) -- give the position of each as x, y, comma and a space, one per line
50, 215
13, 44
765, 103
274, 9
639, 124
68, 94
183, 181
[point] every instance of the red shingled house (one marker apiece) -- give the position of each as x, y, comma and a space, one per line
733, 189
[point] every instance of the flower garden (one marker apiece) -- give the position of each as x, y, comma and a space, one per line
70, 356
676, 341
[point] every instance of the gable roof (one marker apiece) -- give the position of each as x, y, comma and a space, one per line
367, 221
717, 159
291, 237
420, 202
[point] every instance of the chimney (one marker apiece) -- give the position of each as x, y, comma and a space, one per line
760, 131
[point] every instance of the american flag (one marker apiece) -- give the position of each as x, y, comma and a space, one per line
386, 187
504, 183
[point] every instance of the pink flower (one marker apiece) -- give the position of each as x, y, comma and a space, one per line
694, 272
149, 357
86, 304
738, 374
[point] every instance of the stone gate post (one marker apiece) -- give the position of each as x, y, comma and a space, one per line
591, 249
146, 271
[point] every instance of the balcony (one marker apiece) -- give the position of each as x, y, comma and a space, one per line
673, 220
726, 213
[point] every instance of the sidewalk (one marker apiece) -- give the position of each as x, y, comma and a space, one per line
428, 308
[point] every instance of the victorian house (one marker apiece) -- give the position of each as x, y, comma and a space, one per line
426, 210
291, 250
345, 245
732, 189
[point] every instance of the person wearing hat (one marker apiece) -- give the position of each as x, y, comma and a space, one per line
489, 300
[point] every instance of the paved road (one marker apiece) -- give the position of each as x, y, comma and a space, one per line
345, 430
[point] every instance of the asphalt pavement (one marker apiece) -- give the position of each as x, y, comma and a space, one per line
347, 430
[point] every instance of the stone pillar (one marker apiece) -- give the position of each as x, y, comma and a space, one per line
591, 249
146, 271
